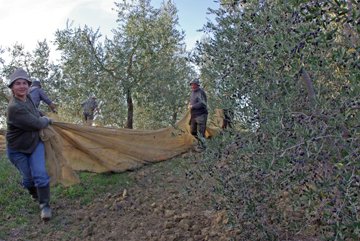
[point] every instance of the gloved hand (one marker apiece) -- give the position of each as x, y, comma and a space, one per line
189, 107
51, 121
54, 110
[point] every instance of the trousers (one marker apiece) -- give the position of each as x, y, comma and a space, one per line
31, 166
198, 125
88, 119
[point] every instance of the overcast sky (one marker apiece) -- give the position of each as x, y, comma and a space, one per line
29, 21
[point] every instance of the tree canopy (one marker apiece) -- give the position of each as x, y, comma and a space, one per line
38, 65
144, 56
292, 67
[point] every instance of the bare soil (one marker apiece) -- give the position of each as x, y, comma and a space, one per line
154, 207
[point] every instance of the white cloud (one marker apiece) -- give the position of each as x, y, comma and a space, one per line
27, 22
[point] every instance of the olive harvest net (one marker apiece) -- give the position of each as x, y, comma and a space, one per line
72, 147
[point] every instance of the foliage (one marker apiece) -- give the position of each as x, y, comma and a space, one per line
142, 71
38, 65
137, 61
168, 94
293, 69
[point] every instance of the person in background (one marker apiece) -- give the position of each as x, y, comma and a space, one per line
228, 114
39, 95
198, 111
88, 107
23, 144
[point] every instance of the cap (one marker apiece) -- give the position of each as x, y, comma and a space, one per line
18, 74
36, 82
195, 81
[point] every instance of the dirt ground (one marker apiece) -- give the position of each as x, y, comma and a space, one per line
152, 209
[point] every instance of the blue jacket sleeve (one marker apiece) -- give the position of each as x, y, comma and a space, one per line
44, 97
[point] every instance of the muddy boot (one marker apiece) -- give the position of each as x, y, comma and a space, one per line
44, 199
33, 193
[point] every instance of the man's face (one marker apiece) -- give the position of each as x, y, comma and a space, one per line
194, 86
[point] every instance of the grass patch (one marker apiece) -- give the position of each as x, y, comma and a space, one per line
91, 185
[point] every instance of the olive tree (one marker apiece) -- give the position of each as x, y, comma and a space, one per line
126, 66
293, 68
38, 65
164, 101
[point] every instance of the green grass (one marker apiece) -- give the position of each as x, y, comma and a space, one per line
91, 185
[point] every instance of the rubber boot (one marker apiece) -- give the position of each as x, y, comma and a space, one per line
33, 193
44, 199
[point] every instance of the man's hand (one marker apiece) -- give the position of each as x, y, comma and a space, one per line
189, 107
54, 110
51, 121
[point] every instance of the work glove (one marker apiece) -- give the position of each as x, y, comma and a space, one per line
51, 121
54, 110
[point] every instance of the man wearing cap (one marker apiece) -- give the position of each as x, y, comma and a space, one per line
88, 107
198, 110
228, 112
39, 95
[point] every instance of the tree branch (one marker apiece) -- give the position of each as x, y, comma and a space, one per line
310, 89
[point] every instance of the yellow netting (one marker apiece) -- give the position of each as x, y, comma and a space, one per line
56, 164
2, 143
71, 147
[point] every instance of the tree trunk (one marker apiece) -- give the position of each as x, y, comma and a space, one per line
309, 87
174, 116
311, 95
129, 123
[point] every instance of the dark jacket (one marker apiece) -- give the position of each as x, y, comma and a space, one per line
198, 102
23, 125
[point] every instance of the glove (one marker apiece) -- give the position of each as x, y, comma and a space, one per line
190, 107
54, 110
51, 121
